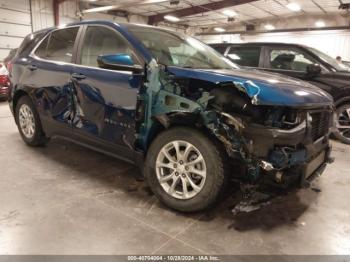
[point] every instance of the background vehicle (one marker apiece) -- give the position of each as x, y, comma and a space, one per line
10, 56
301, 62
171, 104
4, 82
347, 63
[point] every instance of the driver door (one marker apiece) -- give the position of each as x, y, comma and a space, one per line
105, 100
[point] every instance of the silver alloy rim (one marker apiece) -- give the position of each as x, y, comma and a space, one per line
26, 121
343, 123
181, 169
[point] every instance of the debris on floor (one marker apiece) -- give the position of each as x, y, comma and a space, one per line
315, 189
252, 200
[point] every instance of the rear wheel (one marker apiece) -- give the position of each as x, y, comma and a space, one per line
28, 123
343, 124
185, 170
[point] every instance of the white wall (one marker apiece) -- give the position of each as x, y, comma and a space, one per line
15, 24
332, 42
43, 14
102, 16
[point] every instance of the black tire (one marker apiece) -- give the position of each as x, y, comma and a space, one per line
216, 165
38, 138
341, 137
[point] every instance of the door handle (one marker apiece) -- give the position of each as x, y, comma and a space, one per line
78, 76
33, 67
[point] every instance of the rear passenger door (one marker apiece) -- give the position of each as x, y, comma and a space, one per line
246, 56
47, 74
105, 99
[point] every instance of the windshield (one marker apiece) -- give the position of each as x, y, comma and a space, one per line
172, 49
330, 60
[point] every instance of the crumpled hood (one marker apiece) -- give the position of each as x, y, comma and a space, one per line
262, 87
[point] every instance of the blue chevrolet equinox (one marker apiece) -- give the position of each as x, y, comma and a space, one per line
187, 116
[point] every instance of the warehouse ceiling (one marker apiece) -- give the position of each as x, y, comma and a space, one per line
206, 13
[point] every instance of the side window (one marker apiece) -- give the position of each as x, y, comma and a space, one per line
102, 41
41, 50
245, 56
220, 49
59, 45
289, 60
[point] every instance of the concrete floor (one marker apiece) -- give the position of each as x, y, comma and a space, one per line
64, 199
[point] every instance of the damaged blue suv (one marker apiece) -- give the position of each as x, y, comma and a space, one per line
186, 115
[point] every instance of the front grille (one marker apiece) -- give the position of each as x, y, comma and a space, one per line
319, 124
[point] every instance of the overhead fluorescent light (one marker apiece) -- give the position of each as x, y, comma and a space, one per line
320, 23
124, 5
269, 27
101, 9
219, 29
171, 18
294, 7
229, 13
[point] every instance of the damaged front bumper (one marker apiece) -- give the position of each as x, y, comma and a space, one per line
284, 157
302, 174
294, 156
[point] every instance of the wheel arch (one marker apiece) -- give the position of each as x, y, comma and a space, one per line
17, 95
180, 119
342, 101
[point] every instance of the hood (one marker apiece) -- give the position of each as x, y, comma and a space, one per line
262, 87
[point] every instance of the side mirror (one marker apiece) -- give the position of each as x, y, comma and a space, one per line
118, 62
313, 70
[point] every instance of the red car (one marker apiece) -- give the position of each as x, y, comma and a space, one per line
4, 82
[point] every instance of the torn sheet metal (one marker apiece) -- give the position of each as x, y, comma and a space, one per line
263, 88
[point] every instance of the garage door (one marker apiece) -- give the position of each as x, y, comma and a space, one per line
15, 24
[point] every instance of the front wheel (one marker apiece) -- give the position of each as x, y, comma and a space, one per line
185, 170
343, 124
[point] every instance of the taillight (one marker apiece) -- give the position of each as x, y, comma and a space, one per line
4, 81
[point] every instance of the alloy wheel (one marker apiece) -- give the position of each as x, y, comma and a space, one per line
26, 121
181, 169
343, 123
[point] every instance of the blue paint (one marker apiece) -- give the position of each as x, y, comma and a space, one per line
118, 59
269, 89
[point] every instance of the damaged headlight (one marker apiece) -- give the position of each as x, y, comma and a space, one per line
284, 118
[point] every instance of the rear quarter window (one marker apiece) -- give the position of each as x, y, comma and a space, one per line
29, 42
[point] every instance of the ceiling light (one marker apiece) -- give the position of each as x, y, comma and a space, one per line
124, 5
171, 18
269, 27
294, 7
219, 29
229, 13
320, 23
100, 9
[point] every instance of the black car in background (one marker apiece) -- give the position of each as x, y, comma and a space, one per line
301, 62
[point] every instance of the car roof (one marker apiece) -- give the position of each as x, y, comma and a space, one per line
111, 23
258, 44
